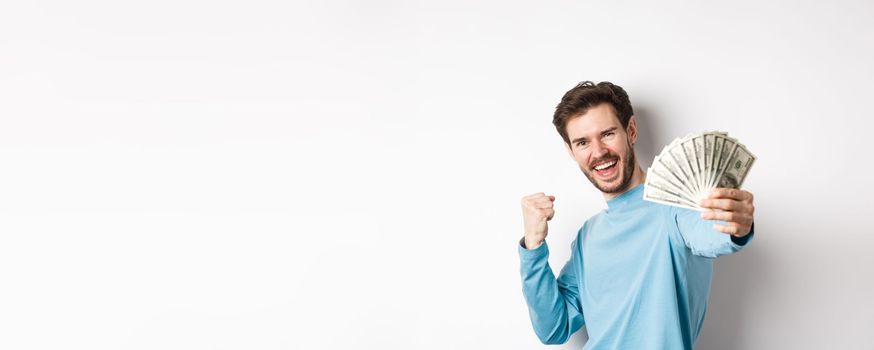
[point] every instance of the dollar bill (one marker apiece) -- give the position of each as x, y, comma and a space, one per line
685, 153
656, 195
688, 168
718, 142
666, 175
676, 171
659, 178
700, 156
727, 152
737, 168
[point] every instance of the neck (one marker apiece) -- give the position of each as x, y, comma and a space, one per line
638, 176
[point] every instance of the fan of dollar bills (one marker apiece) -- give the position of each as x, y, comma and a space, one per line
690, 167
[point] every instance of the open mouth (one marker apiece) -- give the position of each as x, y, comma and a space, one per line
607, 168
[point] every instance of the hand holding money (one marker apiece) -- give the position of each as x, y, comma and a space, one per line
688, 169
735, 208
704, 172
536, 211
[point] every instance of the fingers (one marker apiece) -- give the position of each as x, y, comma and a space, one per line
732, 193
736, 210
539, 205
729, 216
538, 200
733, 229
726, 204
539, 195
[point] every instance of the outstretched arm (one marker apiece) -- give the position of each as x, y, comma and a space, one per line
724, 231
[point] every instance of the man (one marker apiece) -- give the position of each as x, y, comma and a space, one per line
639, 273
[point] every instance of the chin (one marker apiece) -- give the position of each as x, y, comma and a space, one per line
612, 188
614, 185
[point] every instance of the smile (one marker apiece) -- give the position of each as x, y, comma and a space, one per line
607, 170
606, 165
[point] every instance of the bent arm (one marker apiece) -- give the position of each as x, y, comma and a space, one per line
553, 304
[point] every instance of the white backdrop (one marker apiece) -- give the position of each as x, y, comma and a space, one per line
327, 175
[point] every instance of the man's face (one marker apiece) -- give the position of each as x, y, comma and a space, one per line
603, 148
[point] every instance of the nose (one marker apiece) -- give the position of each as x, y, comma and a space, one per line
598, 149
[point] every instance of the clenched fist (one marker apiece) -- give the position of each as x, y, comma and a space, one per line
536, 211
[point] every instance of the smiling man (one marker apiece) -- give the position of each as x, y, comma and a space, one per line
639, 273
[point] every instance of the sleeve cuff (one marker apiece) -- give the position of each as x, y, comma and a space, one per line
742, 241
532, 254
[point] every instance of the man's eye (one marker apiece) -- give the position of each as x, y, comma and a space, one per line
609, 134
581, 144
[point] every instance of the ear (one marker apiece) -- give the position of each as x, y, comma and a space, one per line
631, 130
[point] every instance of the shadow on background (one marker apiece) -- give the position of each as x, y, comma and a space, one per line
650, 138
577, 340
734, 276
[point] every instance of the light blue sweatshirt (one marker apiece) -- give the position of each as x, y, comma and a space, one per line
638, 277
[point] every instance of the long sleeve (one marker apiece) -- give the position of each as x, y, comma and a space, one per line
553, 304
700, 236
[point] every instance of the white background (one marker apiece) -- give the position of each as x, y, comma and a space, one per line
328, 175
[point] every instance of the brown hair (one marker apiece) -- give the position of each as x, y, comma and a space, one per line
586, 95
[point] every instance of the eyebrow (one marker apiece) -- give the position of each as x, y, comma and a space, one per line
586, 138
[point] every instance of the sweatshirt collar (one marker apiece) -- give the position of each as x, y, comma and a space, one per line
629, 196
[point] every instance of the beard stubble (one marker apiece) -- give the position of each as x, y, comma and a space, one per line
627, 172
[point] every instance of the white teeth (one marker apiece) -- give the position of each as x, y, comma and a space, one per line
605, 165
